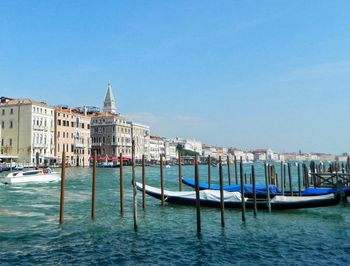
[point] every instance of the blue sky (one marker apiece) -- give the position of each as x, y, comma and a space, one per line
248, 74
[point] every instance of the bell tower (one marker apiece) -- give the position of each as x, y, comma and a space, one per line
109, 104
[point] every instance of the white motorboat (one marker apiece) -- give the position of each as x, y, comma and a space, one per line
34, 176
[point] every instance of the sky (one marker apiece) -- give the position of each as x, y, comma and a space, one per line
246, 74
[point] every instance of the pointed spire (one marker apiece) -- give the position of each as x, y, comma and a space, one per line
109, 104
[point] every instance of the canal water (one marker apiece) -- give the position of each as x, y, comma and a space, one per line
30, 233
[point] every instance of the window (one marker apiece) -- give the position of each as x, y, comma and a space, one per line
88, 126
82, 125
11, 111
2, 124
64, 123
10, 142
72, 124
2, 142
58, 134
58, 147
59, 122
72, 148
3, 111
11, 124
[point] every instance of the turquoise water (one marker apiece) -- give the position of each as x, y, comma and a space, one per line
30, 233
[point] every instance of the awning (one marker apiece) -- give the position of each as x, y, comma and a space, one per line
8, 156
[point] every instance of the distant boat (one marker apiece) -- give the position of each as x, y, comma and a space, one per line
34, 176
211, 198
108, 165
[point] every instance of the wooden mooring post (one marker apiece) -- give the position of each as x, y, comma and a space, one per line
254, 192
242, 189
180, 172
267, 188
134, 181
161, 180
198, 204
63, 173
299, 180
209, 171
143, 182
290, 180
313, 171
228, 171
121, 182
306, 176
236, 171
222, 205
93, 199
282, 178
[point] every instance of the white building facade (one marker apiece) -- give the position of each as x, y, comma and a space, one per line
156, 148
141, 136
27, 129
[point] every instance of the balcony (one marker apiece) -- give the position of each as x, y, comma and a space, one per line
78, 145
38, 127
40, 145
96, 144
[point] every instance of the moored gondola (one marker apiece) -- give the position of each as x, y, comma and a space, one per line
211, 198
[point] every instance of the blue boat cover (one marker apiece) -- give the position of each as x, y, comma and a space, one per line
318, 191
260, 189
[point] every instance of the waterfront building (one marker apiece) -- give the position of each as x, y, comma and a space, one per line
209, 150
259, 155
27, 129
342, 158
111, 135
170, 150
72, 135
156, 148
141, 136
188, 144
206, 150
326, 157
293, 157
249, 156
278, 157
300, 157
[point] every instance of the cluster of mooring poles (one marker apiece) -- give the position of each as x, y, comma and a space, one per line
337, 175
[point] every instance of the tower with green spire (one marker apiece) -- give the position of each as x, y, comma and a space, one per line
109, 104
